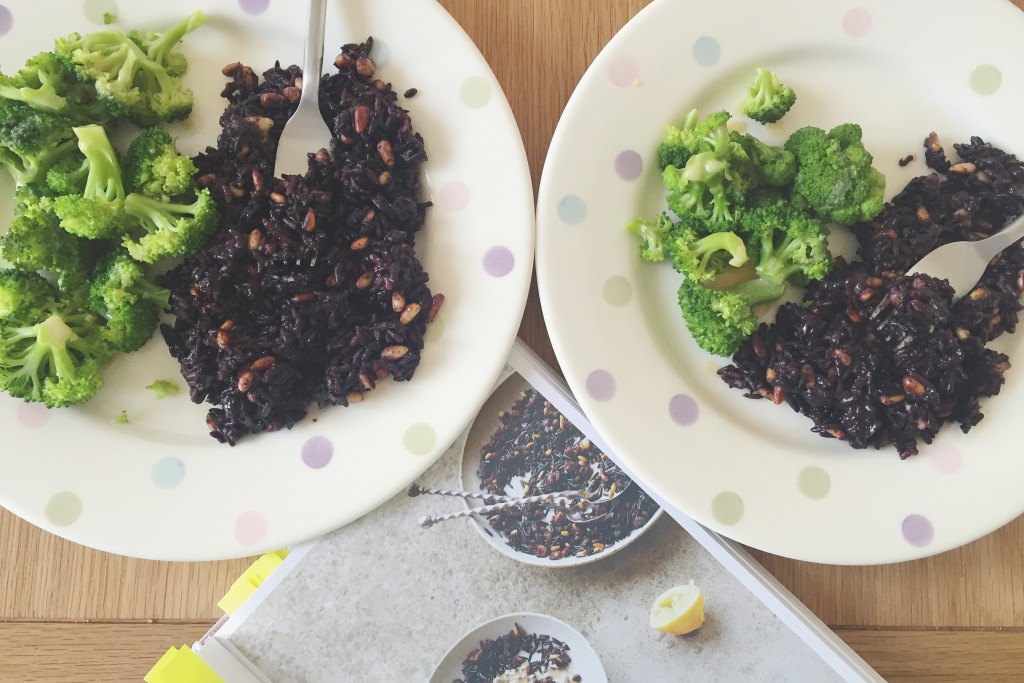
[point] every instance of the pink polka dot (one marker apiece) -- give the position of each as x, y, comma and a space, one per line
317, 452
454, 196
499, 262
250, 527
623, 72
945, 458
601, 385
857, 22
33, 414
6, 20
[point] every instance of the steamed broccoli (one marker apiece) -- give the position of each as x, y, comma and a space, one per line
171, 229
67, 176
22, 291
98, 212
652, 236
790, 246
767, 99
153, 167
49, 82
776, 166
835, 174
718, 320
703, 258
163, 388
683, 141
31, 141
130, 303
51, 353
144, 78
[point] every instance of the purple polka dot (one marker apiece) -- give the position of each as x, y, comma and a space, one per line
33, 414
454, 196
623, 71
317, 452
683, 409
918, 530
629, 165
254, 6
945, 458
498, 261
251, 527
857, 22
601, 385
6, 20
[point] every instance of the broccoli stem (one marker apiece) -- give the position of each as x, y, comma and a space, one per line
172, 36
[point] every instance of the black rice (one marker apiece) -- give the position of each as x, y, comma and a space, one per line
311, 290
535, 654
894, 374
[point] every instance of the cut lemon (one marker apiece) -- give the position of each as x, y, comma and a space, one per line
678, 610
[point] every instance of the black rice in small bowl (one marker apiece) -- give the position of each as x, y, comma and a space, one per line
517, 655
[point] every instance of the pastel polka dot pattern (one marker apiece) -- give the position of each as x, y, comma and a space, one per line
475, 92
629, 165
380, 53
727, 508
857, 22
251, 527
623, 71
33, 415
168, 472
945, 458
454, 196
419, 438
707, 51
6, 20
918, 530
64, 509
499, 261
814, 482
572, 210
986, 79
95, 9
617, 291
683, 410
317, 452
601, 385
254, 6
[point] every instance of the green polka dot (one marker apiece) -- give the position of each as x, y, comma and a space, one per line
64, 508
617, 291
420, 438
435, 330
475, 92
727, 508
986, 79
814, 482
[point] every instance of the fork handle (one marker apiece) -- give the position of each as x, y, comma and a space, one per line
990, 246
313, 57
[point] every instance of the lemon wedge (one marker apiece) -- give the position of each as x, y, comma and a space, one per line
678, 610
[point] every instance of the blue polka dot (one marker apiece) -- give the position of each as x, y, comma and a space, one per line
707, 51
168, 473
572, 209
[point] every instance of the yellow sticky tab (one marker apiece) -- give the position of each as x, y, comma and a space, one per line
248, 582
181, 665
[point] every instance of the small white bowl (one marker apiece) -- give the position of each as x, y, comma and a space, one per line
485, 424
585, 661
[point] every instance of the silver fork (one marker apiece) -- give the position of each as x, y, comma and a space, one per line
306, 132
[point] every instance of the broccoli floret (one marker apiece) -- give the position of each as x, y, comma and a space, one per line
159, 46
98, 212
67, 176
149, 87
768, 99
776, 166
790, 246
171, 229
835, 174
109, 18
652, 236
51, 83
712, 183
31, 141
122, 418
53, 356
153, 167
130, 303
23, 291
691, 137
718, 320
35, 241
164, 388
703, 258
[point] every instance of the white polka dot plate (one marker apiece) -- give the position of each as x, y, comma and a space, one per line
751, 470
160, 486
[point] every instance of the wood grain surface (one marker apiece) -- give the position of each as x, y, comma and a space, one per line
68, 613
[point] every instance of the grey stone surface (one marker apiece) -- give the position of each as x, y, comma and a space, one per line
383, 600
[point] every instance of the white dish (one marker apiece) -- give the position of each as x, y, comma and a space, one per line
749, 469
585, 661
160, 486
485, 424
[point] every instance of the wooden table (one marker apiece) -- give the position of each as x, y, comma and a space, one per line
68, 613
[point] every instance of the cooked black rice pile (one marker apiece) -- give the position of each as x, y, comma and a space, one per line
537, 445
535, 653
894, 375
311, 291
